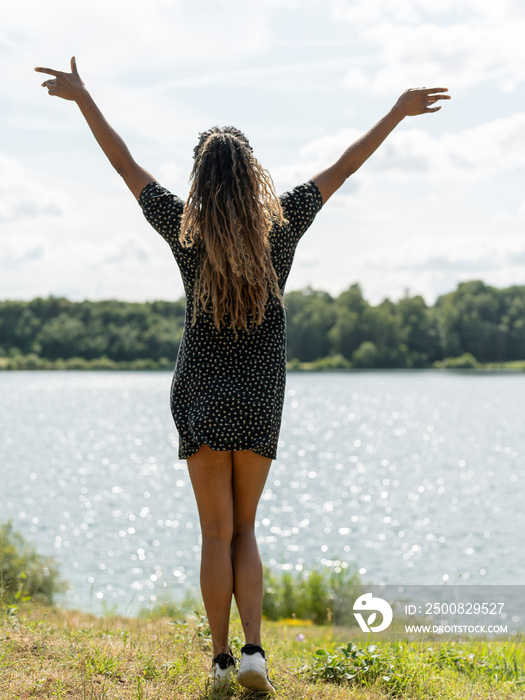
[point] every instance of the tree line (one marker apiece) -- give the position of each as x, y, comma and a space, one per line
475, 321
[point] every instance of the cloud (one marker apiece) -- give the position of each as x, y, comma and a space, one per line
23, 197
13, 45
126, 265
469, 156
16, 254
431, 266
414, 12
469, 254
122, 250
364, 12
246, 76
314, 156
164, 33
174, 178
415, 42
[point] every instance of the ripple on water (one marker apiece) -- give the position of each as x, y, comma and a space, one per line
411, 475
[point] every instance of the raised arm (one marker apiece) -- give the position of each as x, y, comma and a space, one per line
412, 102
69, 86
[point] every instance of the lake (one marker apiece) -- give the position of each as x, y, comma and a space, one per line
415, 477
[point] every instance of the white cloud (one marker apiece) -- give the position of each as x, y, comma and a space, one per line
366, 12
120, 250
469, 156
472, 254
108, 36
460, 55
21, 196
355, 78
174, 178
431, 265
17, 253
314, 156
415, 42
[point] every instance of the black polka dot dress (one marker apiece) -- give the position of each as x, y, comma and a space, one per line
228, 392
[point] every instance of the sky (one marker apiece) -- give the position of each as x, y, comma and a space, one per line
440, 202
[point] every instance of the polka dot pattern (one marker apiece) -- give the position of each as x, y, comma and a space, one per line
228, 392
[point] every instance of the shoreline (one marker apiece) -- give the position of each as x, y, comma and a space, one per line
31, 364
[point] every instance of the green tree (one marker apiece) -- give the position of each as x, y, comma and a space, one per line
513, 303
349, 329
476, 318
366, 356
470, 320
419, 331
310, 315
60, 336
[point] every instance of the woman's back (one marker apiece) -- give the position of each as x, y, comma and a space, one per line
228, 387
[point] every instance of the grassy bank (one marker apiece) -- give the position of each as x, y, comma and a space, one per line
336, 363
34, 362
47, 653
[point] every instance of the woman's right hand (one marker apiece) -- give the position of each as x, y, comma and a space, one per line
68, 86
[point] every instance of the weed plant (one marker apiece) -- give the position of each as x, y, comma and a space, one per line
25, 574
305, 595
409, 669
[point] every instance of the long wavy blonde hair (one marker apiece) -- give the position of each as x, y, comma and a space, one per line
229, 212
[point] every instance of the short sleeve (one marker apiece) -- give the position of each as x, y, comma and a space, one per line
300, 206
163, 210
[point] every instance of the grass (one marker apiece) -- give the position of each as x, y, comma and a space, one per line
47, 653
335, 363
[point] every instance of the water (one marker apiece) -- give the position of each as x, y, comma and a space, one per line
416, 477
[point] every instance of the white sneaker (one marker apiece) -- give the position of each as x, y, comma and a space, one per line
223, 670
253, 670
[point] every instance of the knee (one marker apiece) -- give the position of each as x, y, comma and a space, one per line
243, 529
218, 530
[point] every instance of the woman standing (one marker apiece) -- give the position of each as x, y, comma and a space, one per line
234, 241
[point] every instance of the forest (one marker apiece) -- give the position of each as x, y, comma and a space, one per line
476, 324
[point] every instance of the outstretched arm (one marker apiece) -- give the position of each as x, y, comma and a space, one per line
69, 86
413, 101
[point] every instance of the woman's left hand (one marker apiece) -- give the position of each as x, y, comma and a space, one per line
69, 86
420, 101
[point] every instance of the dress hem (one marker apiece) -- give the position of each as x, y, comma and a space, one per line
190, 453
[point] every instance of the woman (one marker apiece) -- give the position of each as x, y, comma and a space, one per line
234, 241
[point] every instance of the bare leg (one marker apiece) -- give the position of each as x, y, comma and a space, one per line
250, 471
211, 477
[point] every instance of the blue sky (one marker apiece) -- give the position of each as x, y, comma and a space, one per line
442, 201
